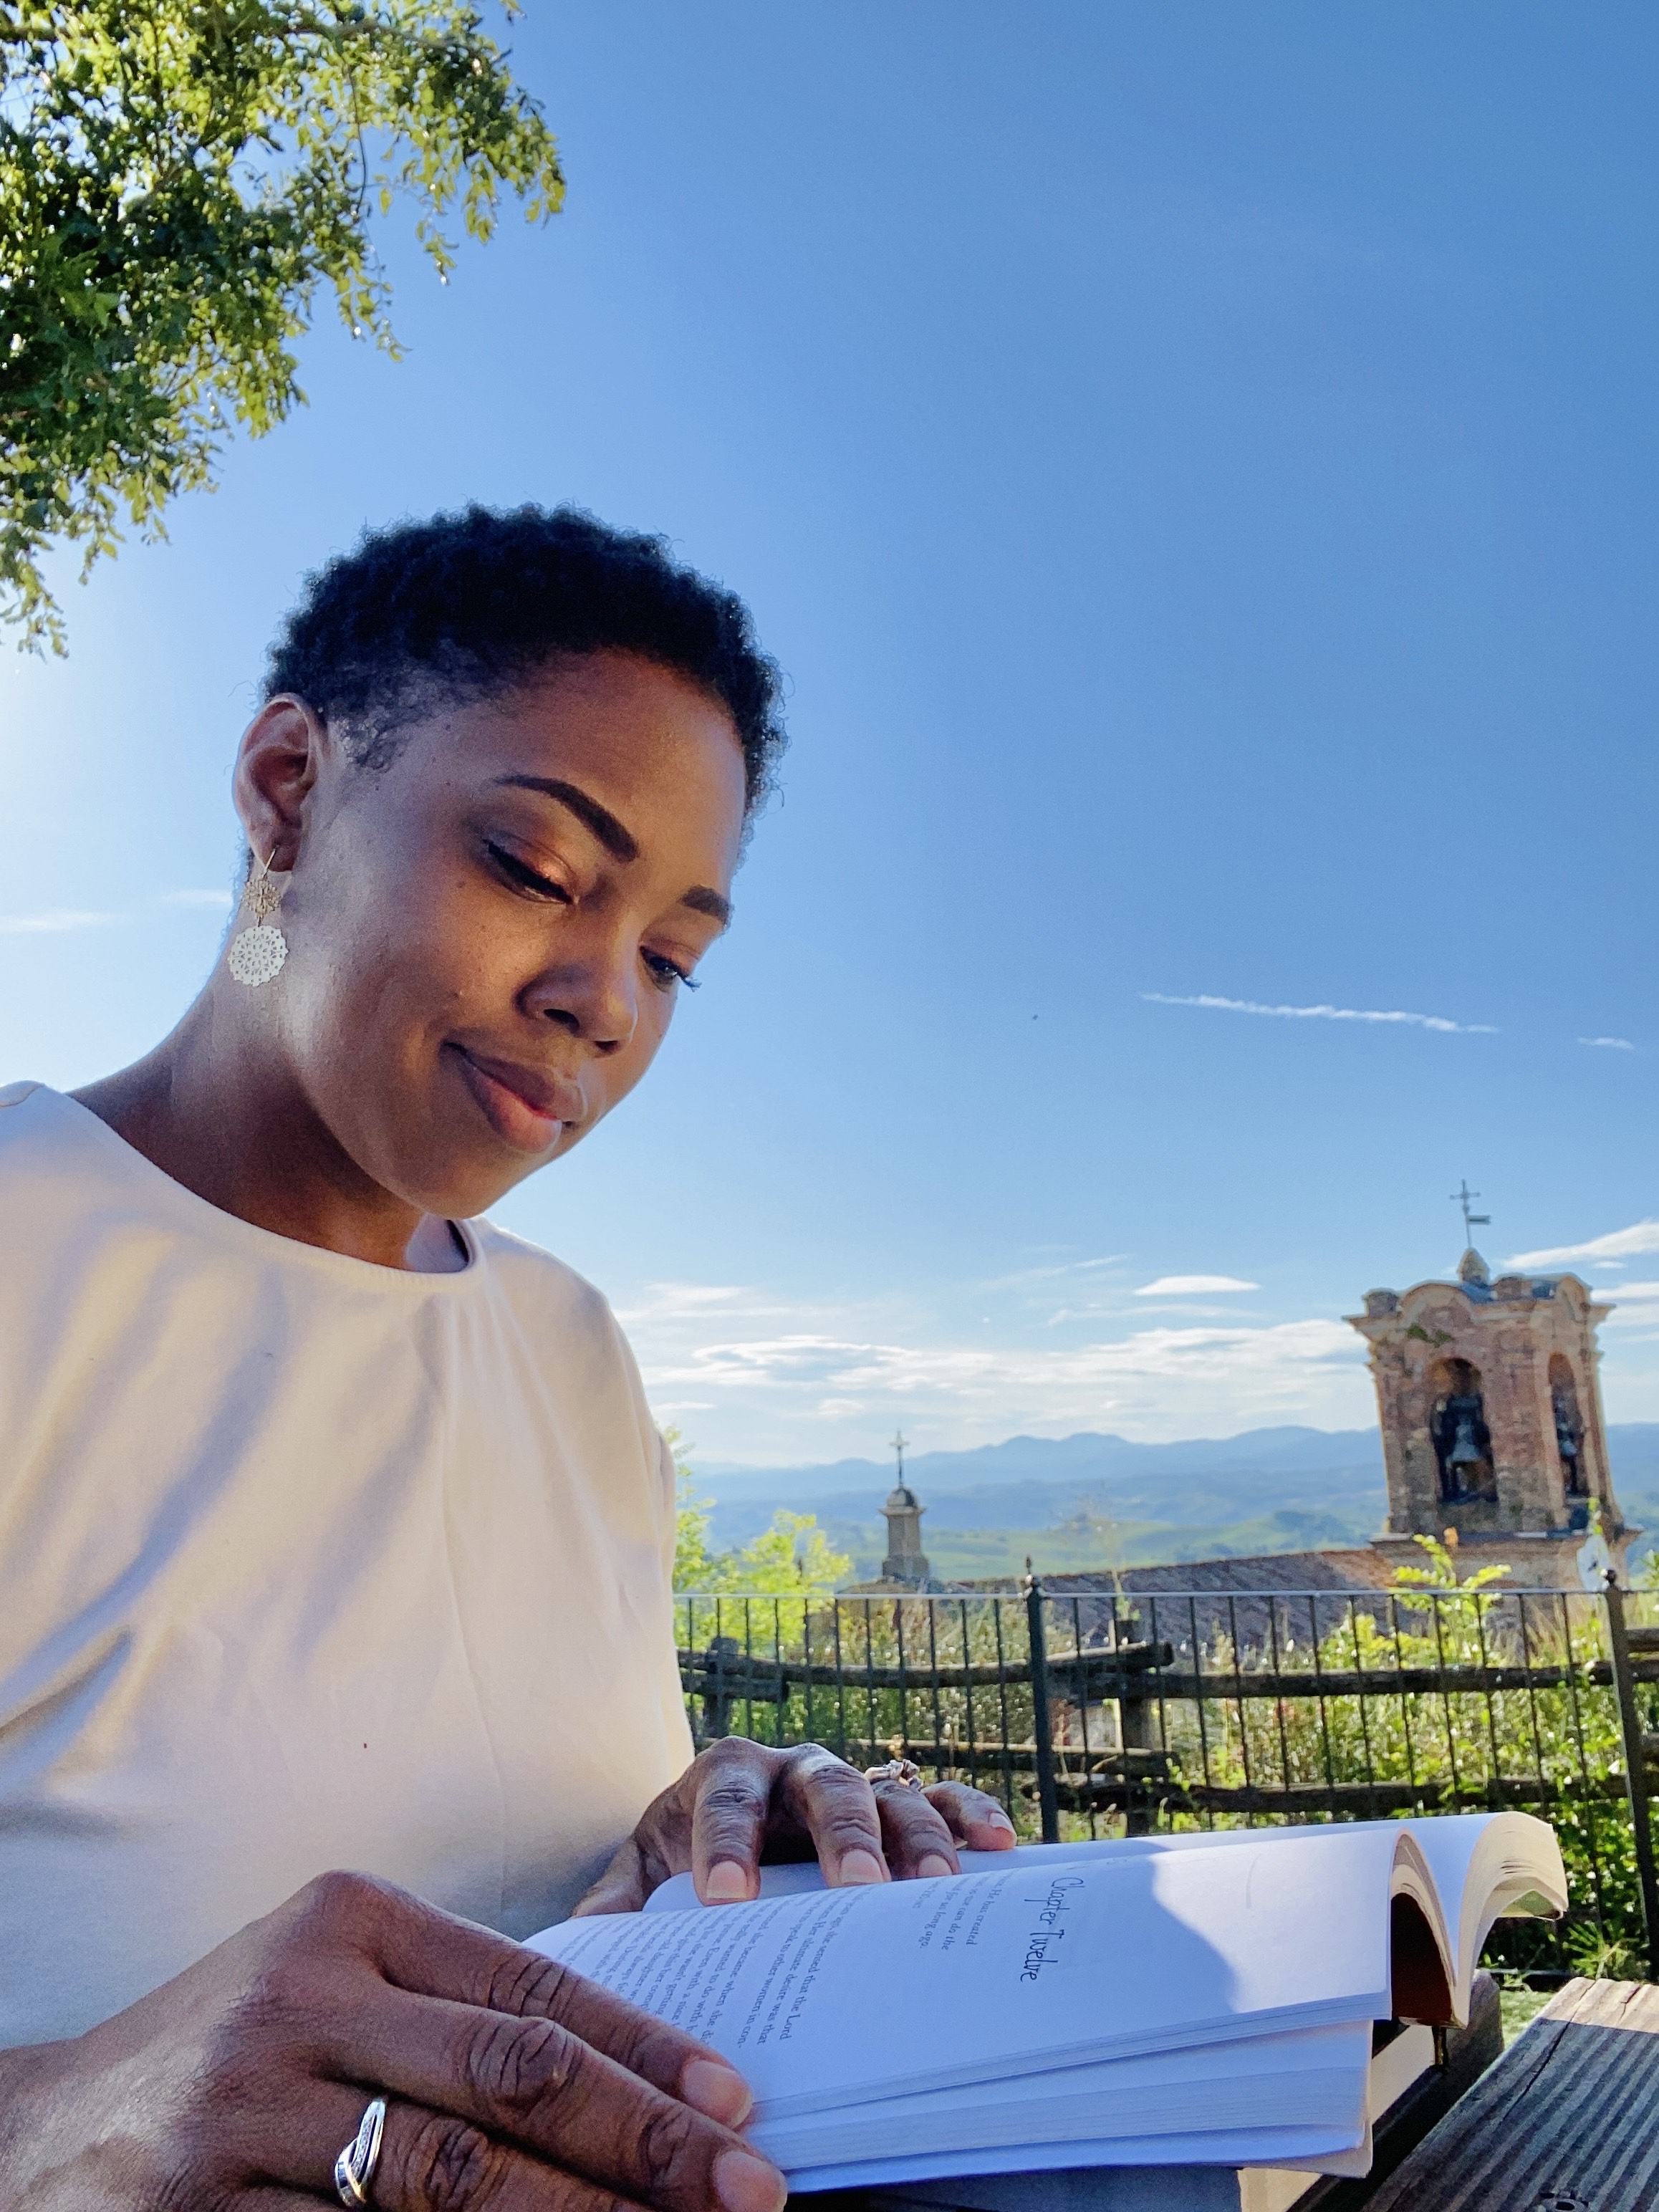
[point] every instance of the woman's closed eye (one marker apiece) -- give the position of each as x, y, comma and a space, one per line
523, 877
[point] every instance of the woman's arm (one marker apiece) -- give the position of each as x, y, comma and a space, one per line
511, 2082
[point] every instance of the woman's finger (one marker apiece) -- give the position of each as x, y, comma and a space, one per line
734, 1781
661, 1846
426, 2158
621, 1888
532, 2086
414, 1948
429, 2158
830, 1802
972, 1816
917, 1839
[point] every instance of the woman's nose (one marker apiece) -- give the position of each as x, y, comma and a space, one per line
595, 997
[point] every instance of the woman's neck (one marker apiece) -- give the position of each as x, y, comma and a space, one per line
210, 1110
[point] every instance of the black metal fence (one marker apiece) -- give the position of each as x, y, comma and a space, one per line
1099, 1713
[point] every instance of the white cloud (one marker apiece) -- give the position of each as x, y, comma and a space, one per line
661, 1304
1633, 1322
1027, 1276
52, 921
1644, 1236
55, 921
1322, 1014
1612, 1044
833, 1381
976, 1371
672, 1301
1190, 1286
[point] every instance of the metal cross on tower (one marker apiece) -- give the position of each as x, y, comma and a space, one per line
898, 1446
1462, 1196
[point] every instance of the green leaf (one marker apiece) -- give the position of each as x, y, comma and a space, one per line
181, 181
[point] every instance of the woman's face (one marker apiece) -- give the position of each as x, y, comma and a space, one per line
487, 938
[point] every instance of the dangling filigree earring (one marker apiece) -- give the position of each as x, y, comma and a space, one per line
258, 952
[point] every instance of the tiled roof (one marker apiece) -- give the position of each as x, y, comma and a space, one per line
1253, 1601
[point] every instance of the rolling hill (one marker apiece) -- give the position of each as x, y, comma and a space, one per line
1098, 1500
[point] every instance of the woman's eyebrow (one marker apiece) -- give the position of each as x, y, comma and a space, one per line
618, 840
701, 900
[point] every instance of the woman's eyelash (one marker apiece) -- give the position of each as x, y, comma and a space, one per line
520, 872
668, 974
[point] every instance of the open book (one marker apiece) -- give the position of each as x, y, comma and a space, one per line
1158, 2000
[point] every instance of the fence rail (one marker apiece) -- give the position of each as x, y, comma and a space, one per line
1088, 1712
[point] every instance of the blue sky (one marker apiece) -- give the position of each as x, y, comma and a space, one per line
1197, 467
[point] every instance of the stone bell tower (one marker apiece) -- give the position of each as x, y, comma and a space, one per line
1492, 1420
906, 1561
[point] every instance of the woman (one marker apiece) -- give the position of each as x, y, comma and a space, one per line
334, 1530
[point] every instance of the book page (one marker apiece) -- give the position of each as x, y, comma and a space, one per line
1484, 1866
1487, 1867
1315, 2077
825, 1998
1320, 2150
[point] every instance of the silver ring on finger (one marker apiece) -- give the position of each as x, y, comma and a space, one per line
904, 1771
354, 2169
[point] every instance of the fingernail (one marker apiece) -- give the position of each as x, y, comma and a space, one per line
999, 1818
726, 1883
861, 1866
716, 2091
932, 1866
745, 2183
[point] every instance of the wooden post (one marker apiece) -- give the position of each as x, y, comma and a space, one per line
1636, 1772
716, 1698
1135, 1734
1042, 1726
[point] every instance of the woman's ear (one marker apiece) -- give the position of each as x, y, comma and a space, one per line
277, 764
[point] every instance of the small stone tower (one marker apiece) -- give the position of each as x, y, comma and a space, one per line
1491, 1424
906, 1561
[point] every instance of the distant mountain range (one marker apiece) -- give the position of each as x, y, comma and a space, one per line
1095, 1500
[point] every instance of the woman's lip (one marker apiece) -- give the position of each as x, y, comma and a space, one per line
522, 1120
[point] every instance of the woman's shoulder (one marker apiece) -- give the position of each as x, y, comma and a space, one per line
18, 1094
535, 1278
40, 1128
568, 1321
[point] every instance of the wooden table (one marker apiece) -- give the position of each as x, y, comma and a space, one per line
1567, 2120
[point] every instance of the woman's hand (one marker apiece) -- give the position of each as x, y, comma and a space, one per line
511, 2081
737, 1798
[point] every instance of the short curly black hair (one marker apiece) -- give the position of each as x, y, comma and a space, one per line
467, 605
